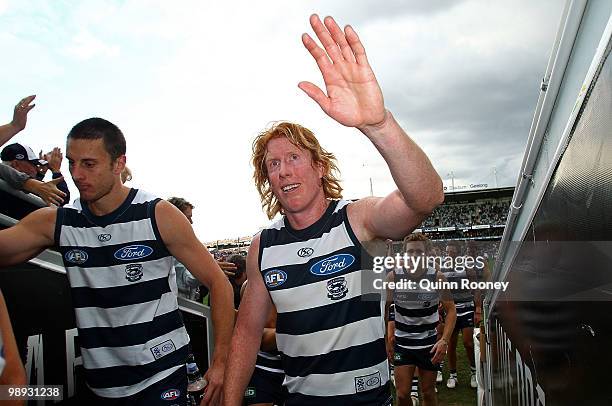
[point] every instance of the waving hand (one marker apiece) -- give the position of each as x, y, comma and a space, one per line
353, 98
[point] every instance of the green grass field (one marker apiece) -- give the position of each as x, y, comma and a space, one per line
463, 394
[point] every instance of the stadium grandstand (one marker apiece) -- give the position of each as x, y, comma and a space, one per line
466, 215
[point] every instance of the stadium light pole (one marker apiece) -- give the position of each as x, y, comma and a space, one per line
495, 176
452, 176
365, 166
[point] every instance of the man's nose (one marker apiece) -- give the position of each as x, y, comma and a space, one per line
285, 169
76, 173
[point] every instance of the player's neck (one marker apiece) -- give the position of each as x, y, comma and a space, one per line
307, 217
110, 201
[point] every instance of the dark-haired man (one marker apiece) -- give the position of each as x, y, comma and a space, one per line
237, 277
308, 263
117, 244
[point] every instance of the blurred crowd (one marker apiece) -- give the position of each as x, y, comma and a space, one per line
468, 214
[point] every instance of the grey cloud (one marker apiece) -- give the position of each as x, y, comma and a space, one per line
367, 11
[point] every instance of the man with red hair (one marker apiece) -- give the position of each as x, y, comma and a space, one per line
308, 263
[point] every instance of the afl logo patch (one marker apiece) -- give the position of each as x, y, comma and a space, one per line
76, 256
133, 272
104, 237
275, 278
305, 252
171, 394
332, 265
133, 252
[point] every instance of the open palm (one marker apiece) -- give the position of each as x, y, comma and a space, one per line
353, 97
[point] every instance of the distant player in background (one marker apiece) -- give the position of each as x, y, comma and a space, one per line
416, 318
464, 303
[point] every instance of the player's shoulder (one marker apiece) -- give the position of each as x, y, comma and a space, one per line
142, 196
41, 221
274, 224
255, 241
359, 206
359, 213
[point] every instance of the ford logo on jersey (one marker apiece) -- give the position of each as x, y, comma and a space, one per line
332, 265
275, 278
133, 252
76, 256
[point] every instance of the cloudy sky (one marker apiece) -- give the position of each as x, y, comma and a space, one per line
191, 83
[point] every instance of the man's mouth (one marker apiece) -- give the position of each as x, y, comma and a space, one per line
289, 188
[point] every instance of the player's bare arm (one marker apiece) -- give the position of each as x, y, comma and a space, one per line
390, 324
28, 238
182, 243
268, 338
20, 118
254, 311
13, 373
446, 299
353, 98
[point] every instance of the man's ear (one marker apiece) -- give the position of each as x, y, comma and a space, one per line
320, 169
119, 165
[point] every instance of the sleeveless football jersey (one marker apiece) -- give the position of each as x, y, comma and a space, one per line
123, 291
331, 338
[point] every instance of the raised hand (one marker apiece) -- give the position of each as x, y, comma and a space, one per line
353, 98
20, 114
54, 158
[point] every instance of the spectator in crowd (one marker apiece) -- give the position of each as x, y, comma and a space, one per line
188, 286
237, 277
47, 191
20, 118
467, 214
23, 159
187, 283
11, 369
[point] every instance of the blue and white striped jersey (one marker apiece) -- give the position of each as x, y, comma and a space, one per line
331, 338
416, 314
124, 295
